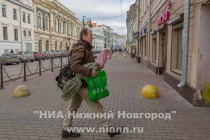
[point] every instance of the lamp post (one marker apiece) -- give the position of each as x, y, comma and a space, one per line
88, 20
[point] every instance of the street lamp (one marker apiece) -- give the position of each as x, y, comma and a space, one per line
88, 21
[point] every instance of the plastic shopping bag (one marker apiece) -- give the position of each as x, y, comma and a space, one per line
97, 87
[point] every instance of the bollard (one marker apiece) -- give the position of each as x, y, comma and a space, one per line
1, 74
61, 62
24, 65
51, 64
40, 69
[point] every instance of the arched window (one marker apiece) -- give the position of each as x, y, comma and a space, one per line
47, 22
39, 20
68, 29
61, 31
72, 30
47, 45
40, 45
64, 28
56, 45
54, 24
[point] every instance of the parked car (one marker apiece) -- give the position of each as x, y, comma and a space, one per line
25, 56
49, 54
9, 58
39, 55
57, 53
65, 53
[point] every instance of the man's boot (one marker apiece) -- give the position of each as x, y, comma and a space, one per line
115, 131
66, 134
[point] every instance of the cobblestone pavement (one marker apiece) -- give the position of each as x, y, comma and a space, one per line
19, 121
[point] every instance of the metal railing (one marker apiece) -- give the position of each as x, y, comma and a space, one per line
25, 68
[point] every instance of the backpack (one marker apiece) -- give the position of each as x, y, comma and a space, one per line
65, 74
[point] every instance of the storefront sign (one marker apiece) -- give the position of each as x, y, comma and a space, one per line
165, 16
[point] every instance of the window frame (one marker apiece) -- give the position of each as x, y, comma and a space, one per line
154, 48
24, 33
29, 18
5, 33
177, 29
24, 17
4, 10
16, 34
14, 14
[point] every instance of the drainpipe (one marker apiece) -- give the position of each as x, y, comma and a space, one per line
21, 28
185, 43
149, 27
138, 40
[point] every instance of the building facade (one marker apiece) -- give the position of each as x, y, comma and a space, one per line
98, 40
17, 26
174, 38
56, 27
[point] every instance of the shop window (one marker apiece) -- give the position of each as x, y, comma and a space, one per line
144, 46
176, 65
154, 50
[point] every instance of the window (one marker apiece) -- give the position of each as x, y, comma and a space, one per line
39, 20
3, 10
55, 45
68, 30
47, 45
54, 26
72, 29
47, 22
24, 32
40, 45
16, 34
144, 46
29, 33
24, 17
177, 48
29, 18
64, 27
5, 35
15, 14
154, 49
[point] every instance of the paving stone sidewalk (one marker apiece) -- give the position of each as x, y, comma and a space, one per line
19, 121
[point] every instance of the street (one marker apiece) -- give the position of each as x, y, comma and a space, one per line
20, 119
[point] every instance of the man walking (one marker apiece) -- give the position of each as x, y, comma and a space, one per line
80, 55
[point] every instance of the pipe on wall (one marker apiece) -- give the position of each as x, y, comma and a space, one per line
185, 43
149, 28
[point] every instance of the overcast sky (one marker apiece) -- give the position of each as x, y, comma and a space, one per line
106, 12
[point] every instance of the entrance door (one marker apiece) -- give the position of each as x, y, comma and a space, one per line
164, 51
29, 46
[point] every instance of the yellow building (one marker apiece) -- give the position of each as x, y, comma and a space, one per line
56, 27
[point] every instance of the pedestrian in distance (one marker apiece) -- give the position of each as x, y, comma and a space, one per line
81, 54
11, 51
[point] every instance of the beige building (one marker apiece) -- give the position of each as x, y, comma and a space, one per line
16, 26
56, 27
174, 37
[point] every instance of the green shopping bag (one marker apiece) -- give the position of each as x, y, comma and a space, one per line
97, 87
